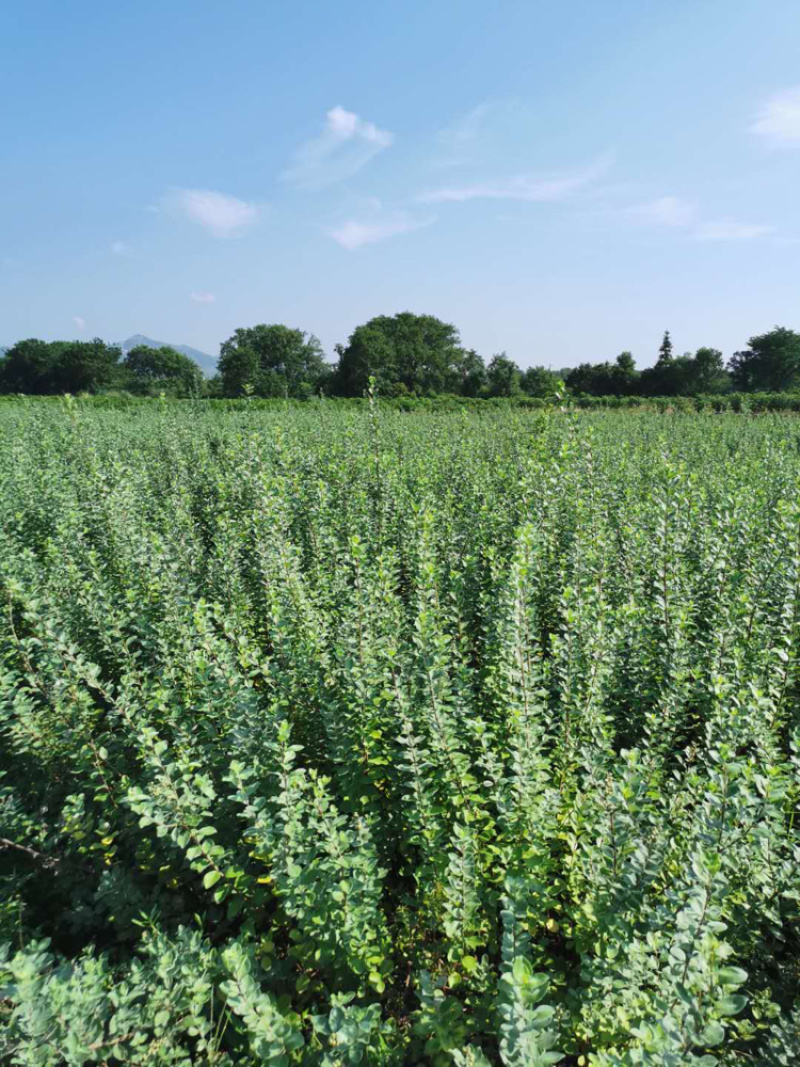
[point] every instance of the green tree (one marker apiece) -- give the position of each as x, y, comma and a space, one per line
540, 381
40, 367
771, 362
626, 363
29, 367
471, 374
418, 351
237, 368
665, 351
619, 378
708, 373
156, 370
86, 366
503, 376
584, 379
625, 374
276, 360
671, 376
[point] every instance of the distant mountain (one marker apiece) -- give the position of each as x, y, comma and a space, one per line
206, 363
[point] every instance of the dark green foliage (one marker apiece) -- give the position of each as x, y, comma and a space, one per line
605, 379
273, 361
503, 376
30, 367
665, 349
770, 363
540, 382
419, 352
151, 371
471, 372
40, 367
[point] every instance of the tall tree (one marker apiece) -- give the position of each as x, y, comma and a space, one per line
470, 374
708, 372
503, 376
771, 362
540, 381
665, 351
275, 360
29, 367
86, 366
420, 352
155, 370
625, 374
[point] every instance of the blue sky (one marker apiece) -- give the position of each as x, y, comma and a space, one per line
561, 181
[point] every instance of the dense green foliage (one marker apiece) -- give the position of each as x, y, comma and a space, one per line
45, 368
334, 735
686, 375
271, 361
41, 367
771, 362
152, 371
412, 353
404, 355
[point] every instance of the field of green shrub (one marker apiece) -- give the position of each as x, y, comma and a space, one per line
339, 734
744, 403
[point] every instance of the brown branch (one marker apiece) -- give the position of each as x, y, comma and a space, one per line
39, 857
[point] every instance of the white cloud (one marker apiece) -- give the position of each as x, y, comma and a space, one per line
347, 143
355, 233
202, 298
79, 322
527, 187
779, 118
665, 211
223, 215
468, 128
480, 133
119, 248
730, 230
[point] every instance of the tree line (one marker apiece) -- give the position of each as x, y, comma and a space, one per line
38, 368
403, 354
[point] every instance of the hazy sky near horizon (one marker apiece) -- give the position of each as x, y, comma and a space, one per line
561, 181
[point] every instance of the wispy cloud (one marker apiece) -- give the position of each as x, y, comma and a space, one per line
354, 233
665, 211
479, 133
202, 298
346, 144
461, 142
671, 211
527, 187
468, 128
79, 322
730, 230
779, 118
119, 248
221, 214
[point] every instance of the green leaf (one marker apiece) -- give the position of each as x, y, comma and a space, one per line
713, 1034
732, 976
732, 1004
